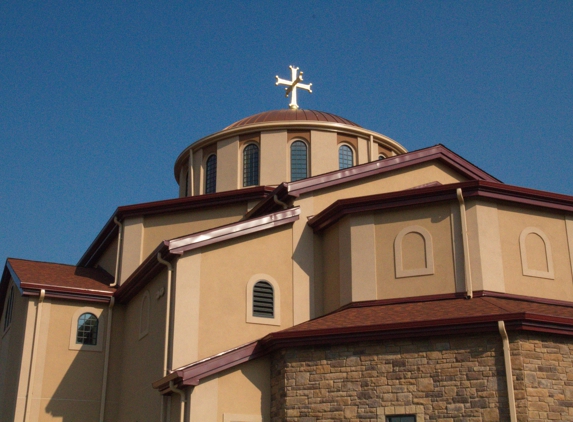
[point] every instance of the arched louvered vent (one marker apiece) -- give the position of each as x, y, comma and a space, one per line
263, 300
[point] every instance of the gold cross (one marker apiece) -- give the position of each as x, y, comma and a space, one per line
292, 85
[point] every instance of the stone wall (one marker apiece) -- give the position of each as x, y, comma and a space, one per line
441, 378
543, 373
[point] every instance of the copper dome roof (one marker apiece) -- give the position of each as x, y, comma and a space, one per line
291, 115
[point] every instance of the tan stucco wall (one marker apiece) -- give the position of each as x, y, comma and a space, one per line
223, 287
512, 221
158, 228
228, 165
436, 219
273, 157
15, 345
323, 152
389, 182
142, 359
108, 258
331, 269
132, 246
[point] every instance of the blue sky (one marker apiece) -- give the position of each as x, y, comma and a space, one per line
97, 99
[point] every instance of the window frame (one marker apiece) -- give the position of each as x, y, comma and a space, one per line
353, 153
256, 167
250, 318
206, 184
307, 148
98, 313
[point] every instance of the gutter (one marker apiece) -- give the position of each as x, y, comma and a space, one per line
466, 248
118, 255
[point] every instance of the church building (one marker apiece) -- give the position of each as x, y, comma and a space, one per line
310, 270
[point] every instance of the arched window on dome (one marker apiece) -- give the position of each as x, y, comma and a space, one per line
211, 174
298, 161
251, 165
345, 157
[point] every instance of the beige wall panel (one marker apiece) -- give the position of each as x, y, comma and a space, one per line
109, 257
131, 250
436, 220
484, 241
71, 378
363, 146
223, 287
363, 257
303, 265
15, 347
323, 152
115, 367
198, 172
569, 228
317, 307
512, 221
168, 226
186, 309
246, 390
181, 181
273, 157
228, 165
331, 269
389, 182
204, 406
344, 261
142, 358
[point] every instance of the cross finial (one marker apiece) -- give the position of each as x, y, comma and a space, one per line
292, 85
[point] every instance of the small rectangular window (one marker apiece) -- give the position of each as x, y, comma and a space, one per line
401, 418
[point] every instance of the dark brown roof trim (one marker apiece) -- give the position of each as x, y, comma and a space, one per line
437, 152
422, 196
109, 231
169, 249
192, 374
231, 231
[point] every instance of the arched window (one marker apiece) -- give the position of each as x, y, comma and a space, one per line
345, 157
298, 161
211, 174
381, 156
9, 307
251, 165
87, 329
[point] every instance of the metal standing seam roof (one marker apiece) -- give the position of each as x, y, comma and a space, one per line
291, 115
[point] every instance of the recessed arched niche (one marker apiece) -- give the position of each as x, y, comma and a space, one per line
413, 252
536, 255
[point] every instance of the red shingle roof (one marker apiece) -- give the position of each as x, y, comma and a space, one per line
60, 277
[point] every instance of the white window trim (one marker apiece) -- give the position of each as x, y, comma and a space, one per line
276, 320
354, 154
74, 330
242, 164
550, 273
429, 251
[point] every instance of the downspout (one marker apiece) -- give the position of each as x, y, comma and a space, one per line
183, 400
106, 359
119, 242
508, 371
466, 248
167, 325
33, 357
167, 315
278, 202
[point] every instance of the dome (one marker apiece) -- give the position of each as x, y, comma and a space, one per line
291, 115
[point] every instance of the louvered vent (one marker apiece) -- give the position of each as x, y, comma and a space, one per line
263, 300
